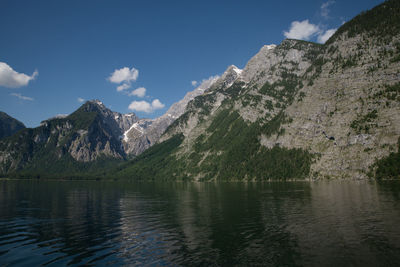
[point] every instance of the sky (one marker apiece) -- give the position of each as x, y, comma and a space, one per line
140, 56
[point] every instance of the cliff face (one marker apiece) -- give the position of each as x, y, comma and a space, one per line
297, 110
348, 112
146, 132
222, 128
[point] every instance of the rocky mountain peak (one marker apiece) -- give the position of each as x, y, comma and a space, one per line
97, 102
233, 68
231, 74
118, 122
94, 105
146, 132
268, 47
264, 59
289, 43
293, 55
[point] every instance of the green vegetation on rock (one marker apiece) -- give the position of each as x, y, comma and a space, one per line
390, 92
383, 21
388, 167
231, 151
364, 124
156, 163
283, 90
45, 151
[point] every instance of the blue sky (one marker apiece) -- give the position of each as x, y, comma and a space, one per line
55, 53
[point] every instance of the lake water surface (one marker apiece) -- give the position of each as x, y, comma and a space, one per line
211, 224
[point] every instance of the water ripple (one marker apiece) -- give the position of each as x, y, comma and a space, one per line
278, 224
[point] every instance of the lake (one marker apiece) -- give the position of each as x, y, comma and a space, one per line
325, 223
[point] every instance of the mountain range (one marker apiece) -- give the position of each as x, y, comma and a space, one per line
297, 110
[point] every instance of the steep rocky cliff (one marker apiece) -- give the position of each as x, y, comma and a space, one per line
147, 132
297, 110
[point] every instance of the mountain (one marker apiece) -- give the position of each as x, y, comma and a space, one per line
83, 141
9, 125
147, 132
91, 139
297, 110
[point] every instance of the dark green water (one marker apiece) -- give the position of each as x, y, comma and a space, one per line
273, 224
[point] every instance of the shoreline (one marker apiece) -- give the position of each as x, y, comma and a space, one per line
194, 181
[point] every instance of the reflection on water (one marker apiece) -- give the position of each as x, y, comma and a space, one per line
278, 224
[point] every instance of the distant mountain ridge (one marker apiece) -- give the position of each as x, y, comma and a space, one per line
60, 145
298, 110
65, 143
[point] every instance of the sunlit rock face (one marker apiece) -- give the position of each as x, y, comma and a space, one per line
338, 101
147, 132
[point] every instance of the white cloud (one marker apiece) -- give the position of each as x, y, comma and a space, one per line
156, 104
302, 30
145, 106
194, 83
12, 79
123, 87
81, 100
325, 9
139, 92
206, 83
323, 37
124, 75
22, 97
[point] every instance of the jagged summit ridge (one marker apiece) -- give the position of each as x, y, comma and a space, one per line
231, 74
268, 47
261, 67
145, 133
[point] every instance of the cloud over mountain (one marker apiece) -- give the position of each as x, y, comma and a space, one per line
144, 106
302, 30
323, 37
